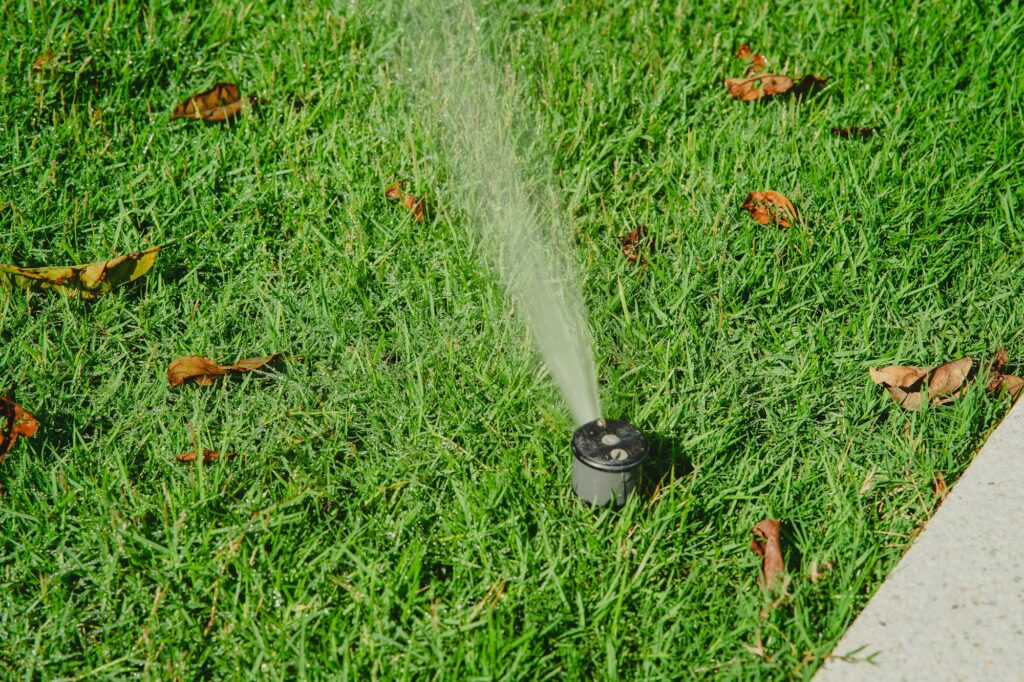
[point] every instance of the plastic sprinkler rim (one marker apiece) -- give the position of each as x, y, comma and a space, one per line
608, 456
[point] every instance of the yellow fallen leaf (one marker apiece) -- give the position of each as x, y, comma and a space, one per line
82, 281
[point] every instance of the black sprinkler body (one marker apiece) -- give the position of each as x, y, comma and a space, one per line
608, 457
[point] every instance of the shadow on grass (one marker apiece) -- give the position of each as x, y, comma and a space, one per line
61, 431
666, 464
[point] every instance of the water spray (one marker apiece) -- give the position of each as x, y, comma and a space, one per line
521, 229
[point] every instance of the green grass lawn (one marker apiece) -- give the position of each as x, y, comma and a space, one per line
400, 506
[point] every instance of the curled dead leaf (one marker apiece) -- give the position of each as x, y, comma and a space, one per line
755, 87
770, 207
950, 380
82, 281
1012, 386
907, 384
999, 383
203, 371
16, 422
854, 131
395, 191
220, 103
635, 244
767, 544
208, 456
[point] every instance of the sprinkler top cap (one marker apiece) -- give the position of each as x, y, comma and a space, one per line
609, 445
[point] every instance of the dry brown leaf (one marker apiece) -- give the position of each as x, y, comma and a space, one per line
939, 485
755, 87
767, 544
999, 383
220, 103
415, 205
193, 368
906, 383
1000, 359
1012, 386
82, 281
949, 381
758, 62
47, 60
208, 456
635, 244
818, 571
203, 371
16, 422
395, 191
770, 207
854, 131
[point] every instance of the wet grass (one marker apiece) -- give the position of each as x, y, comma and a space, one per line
400, 506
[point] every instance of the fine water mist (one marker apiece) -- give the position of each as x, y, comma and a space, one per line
509, 199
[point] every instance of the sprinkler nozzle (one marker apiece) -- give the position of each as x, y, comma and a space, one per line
608, 457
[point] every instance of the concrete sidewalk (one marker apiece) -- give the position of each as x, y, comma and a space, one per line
953, 608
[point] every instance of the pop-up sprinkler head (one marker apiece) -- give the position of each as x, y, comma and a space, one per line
608, 457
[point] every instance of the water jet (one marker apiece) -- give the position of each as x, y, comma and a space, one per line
505, 185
